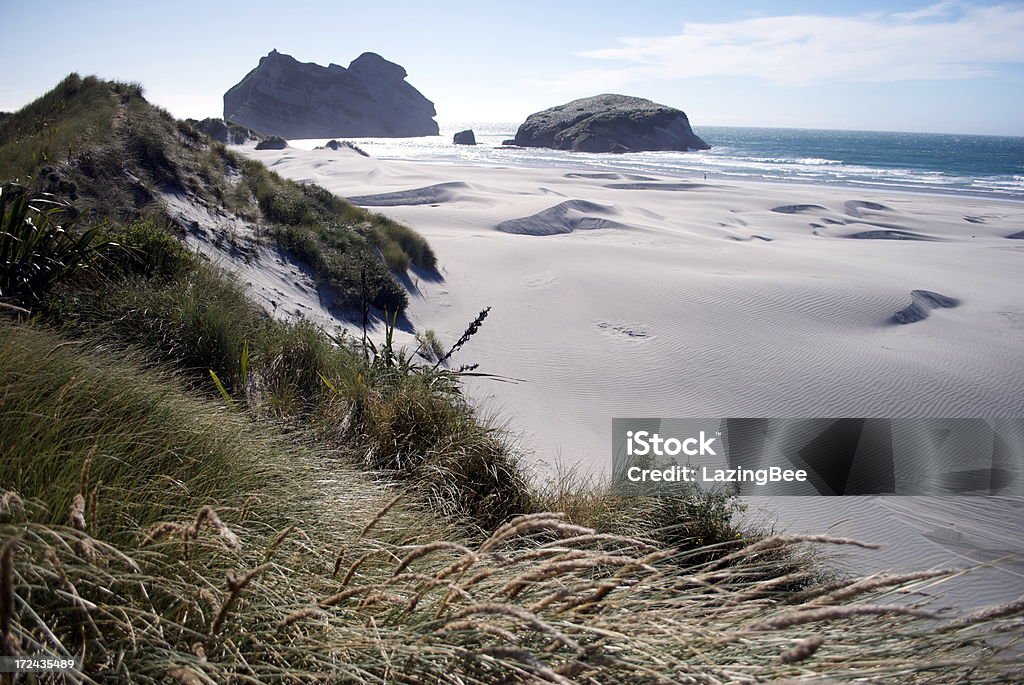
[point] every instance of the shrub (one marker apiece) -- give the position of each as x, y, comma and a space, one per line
39, 245
429, 345
147, 249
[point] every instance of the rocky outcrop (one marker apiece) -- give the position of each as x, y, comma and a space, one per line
229, 134
272, 143
295, 100
609, 123
342, 145
466, 137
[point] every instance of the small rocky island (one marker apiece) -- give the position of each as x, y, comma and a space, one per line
609, 123
466, 137
295, 100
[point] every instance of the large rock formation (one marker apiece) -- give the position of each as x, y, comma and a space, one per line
288, 98
609, 123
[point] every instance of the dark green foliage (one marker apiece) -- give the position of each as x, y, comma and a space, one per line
39, 244
399, 239
148, 248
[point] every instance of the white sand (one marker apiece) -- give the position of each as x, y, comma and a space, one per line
617, 296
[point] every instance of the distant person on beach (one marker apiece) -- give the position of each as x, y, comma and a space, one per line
705, 175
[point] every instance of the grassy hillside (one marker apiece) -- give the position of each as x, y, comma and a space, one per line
101, 145
161, 537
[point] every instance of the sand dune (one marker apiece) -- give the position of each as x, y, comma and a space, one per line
565, 217
440, 192
737, 299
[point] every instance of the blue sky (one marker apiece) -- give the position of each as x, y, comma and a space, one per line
913, 66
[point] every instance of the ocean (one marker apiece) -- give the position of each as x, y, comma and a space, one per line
988, 166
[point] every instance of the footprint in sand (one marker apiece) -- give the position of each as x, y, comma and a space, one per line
540, 280
624, 331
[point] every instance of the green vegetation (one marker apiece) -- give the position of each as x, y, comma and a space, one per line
103, 146
59, 125
38, 243
194, 492
429, 345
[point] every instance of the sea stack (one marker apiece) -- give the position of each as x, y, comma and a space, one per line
609, 123
295, 100
466, 137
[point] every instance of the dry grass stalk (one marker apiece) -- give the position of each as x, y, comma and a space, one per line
469, 625
77, 514
300, 615
340, 597
206, 514
459, 566
591, 601
379, 515
501, 530
375, 596
339, 561
802, 650
10, 501
278, 539
533, 525
642, 545
520, 614
875, 583
574, 589
357, 563
235, 587
162, 529
783, 541
557, 554
802, 616
93, 505
424, 550
557, 568
481, 575
429, 583
986, 614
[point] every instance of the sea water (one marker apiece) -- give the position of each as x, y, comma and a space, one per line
990, 166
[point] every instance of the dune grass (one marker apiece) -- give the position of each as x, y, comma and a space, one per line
74, 115
159, 537
102, 145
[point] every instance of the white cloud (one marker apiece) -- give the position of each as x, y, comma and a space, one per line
939, 42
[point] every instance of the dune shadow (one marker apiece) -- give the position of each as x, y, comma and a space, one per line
922, 302
428, 195
889, 234
655, 186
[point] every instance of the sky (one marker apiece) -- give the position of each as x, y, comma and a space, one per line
952, 67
